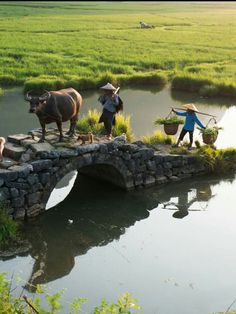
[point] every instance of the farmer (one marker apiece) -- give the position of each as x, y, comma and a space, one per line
111, 103
190, 120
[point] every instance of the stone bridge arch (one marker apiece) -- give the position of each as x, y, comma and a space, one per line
27, 183
110, 170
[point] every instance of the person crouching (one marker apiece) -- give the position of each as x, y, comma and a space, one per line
190, 120
110, 102
2, 143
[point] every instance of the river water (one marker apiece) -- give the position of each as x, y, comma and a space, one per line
172, 247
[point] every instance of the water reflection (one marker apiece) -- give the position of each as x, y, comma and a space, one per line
102, 213
62, 189
195, 199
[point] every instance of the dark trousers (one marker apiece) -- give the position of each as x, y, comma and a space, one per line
108, 118
183, 133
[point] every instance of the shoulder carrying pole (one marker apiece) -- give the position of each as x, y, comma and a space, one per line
117, 90
206, 114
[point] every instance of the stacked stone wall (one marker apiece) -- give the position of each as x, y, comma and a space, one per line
26, 185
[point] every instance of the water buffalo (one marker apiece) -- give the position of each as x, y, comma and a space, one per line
55, 106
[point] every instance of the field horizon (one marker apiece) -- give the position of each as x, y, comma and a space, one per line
83, 44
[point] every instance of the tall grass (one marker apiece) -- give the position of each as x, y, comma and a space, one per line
204, 85
220, 160
158, 137
90, 123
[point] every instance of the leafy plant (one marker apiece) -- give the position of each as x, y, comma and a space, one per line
210, 131
169, 120
10, 304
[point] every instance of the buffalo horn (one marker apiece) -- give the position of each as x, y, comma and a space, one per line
44, 96
27, 97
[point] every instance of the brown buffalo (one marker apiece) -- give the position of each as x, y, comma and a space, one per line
55, 106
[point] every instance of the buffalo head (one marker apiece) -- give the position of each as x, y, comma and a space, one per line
36, 98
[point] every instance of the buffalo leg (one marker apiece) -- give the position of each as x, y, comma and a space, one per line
43, 125
59, 125
73, 122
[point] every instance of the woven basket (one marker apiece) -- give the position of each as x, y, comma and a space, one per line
171, 129
209, 139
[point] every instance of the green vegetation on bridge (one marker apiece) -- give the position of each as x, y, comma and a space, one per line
81, 44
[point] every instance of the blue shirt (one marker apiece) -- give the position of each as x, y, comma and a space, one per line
190, 120
109, 103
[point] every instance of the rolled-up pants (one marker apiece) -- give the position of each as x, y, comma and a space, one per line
183, 133
108, 118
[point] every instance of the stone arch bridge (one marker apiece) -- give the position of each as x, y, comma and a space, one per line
31, 170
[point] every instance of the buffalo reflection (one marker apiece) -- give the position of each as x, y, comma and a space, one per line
100, 214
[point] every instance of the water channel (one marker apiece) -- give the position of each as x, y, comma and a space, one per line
171, 247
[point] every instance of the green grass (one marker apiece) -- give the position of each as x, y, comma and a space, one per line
158, 137
218, 160
59, 44
89, 123
8, 227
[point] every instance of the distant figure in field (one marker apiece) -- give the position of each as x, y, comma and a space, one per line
145, 25
2, 143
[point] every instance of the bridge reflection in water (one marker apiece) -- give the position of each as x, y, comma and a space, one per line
100, 213
62, 189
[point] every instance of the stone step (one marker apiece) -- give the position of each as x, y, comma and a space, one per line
17, 138
13, 151
41, 147
7, 162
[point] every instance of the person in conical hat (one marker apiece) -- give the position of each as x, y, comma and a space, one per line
111, 103
190, 120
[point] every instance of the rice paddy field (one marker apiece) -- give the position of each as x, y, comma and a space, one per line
83, 44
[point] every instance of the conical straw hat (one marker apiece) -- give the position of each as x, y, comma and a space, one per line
191, 107
108, 86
